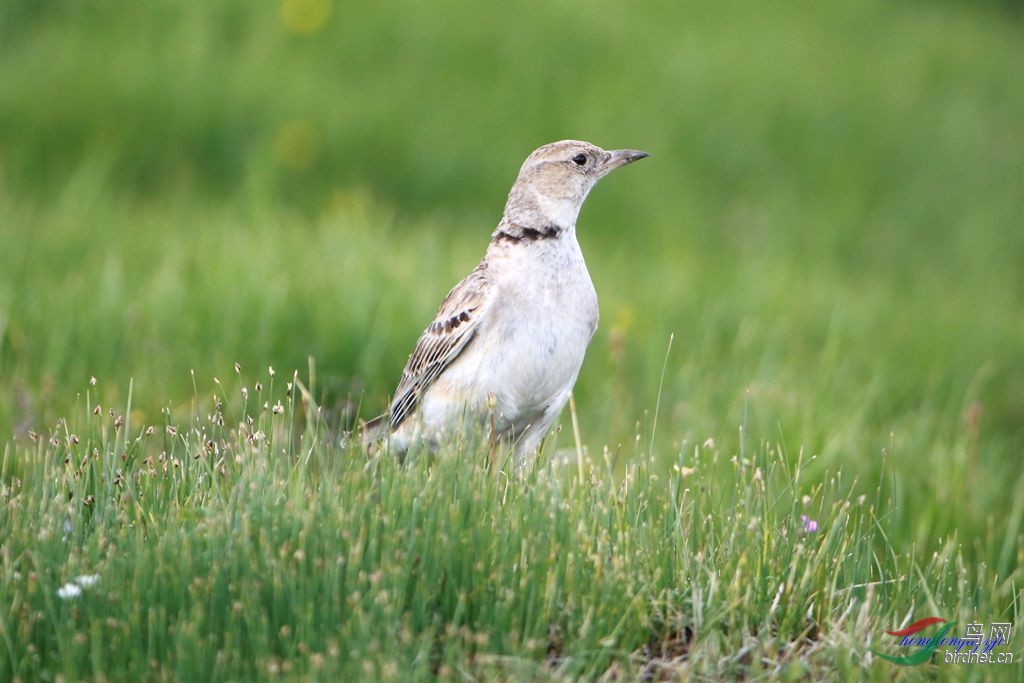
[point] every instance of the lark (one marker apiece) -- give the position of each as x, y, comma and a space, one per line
507, 343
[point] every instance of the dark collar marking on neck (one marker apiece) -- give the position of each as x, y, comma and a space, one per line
518, 233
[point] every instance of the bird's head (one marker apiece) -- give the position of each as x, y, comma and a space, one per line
556, 178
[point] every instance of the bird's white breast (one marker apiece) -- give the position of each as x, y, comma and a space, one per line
545, 315
528, 352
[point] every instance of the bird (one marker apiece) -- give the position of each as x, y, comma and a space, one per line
507, 343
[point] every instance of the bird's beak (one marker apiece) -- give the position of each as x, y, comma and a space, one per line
621, 157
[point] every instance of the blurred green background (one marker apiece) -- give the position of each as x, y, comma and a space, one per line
830, 224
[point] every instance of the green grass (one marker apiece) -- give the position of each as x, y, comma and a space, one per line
828, 231
239, 542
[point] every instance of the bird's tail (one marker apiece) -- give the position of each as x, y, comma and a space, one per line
369, 433
374, 430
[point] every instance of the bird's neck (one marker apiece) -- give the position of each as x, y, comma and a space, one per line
509, 232
545, 213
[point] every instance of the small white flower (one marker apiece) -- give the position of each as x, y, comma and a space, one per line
69, 591
73, 589
87, 580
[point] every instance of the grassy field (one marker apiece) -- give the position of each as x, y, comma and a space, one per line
801, 420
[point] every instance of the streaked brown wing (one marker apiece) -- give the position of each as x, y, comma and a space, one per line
454, 327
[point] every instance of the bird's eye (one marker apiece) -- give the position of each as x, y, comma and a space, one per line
580, 159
